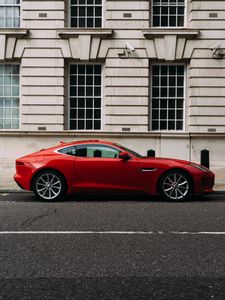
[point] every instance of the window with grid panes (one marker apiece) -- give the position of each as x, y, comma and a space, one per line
9, 96
85, 97
168, 13
167, 106
9, 13
86, 13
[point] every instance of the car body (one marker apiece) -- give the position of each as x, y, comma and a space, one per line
98, 166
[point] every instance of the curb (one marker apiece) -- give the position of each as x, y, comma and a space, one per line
11, 191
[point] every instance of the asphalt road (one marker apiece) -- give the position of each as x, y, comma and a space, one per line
118, 247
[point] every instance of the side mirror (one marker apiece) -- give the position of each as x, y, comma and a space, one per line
124, 155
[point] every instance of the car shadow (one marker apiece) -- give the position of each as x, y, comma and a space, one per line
29, 197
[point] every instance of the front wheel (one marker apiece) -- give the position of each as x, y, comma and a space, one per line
49, 185
175, 185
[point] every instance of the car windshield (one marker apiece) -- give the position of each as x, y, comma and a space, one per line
131, 151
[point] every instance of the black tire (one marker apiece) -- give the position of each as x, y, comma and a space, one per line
49, 185
175, 185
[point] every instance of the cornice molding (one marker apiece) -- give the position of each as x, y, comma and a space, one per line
104, 134
85, 43
15, 32
74, 32
169, 44
8, 41
184, 33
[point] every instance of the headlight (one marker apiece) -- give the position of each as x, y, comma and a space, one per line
202, 168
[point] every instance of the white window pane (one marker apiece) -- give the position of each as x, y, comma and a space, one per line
15, 102
15, 69
2, 13
14, 2
15, 91
7, 113
7, 91
7, 69
14, 80
85, 96
167, 97
86, 13
15, 123
9, 13
16, 12
7, 123
15, 113
7, 103
9, 107
168, 13
16, 22
7, 80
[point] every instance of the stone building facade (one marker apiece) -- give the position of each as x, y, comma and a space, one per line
147, 73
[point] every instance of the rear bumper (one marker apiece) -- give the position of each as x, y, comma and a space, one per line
23, 182
19, 184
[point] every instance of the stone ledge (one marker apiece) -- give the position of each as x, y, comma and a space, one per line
89, 134
187, 33
8, 41
71, 32
15, 32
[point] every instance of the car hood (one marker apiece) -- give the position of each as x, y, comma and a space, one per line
162, 160
181, 161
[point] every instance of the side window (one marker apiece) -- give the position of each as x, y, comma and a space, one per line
97, 151
85, 98
9, 95
168, 13
86, 14
68, 150
168, 96
9, 13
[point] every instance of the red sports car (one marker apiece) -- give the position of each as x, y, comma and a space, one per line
100, 166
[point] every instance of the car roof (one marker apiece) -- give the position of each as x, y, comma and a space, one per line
85, 142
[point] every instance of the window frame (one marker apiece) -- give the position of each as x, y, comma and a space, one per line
102, 17
88, 145
185, 105
68, 97
20, 93
20, 15
186, 9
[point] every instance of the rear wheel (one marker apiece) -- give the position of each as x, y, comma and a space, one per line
49, 185
175, 185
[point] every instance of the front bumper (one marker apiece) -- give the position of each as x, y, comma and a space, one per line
205, 183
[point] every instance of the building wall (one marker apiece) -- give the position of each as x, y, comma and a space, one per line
44, 47
207, 92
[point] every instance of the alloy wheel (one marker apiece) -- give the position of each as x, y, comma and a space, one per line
176, 186
48, 186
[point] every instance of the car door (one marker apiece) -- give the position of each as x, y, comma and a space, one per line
98, 168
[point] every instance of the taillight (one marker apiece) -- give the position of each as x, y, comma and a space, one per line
20, 163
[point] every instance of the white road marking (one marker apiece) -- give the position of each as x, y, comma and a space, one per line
116, 232
3, 195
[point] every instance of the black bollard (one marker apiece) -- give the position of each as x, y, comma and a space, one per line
151, 153
205, 158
